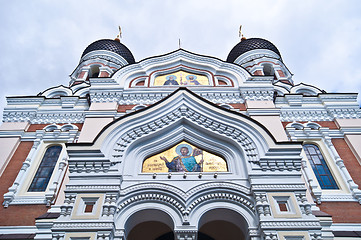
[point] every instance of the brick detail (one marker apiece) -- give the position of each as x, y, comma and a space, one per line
141, 83
329, 124
280, 73
221, 83
258, 73
123, 108
104, 74
19, 215
342, 212
240, 106
349, 159
34, 127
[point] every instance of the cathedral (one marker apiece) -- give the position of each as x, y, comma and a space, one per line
181, 146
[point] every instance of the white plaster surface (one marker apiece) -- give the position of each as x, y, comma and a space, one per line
274, 125
107, 106
7, 148
91, 128
348, 122
14, 126
354, 142
61, 193
259, 104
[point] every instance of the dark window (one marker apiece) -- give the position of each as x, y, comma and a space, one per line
46, 168
89, 207
319, 166
283, 206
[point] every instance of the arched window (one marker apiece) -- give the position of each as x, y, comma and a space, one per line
45, 170
94, 71
268, 70
319, 166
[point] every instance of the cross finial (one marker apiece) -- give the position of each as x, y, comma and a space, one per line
240, 33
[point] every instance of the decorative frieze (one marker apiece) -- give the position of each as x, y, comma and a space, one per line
86, 226
184, 112
290, 224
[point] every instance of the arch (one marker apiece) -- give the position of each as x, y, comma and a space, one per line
223, 223
134, 214
147, 216
226, 106
319, 166
68, 127
57, 92
182, 111
184, 130
51, 128
180, 60
295, 125
313, 125
94, 71
45, 170
305, 89
138, 107
268, 69
210, 211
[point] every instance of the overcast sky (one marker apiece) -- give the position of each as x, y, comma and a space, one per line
41, 41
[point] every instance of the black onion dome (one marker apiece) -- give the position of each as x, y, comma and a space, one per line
250, 44
112, 46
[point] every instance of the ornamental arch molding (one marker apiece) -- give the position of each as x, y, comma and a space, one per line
184, 207
179, 60
185, 116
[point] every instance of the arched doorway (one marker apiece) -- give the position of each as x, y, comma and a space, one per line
219, 224
149, 224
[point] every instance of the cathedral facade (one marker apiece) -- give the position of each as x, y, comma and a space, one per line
181, 146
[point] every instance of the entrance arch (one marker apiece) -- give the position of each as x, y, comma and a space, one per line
149, 224
222, 223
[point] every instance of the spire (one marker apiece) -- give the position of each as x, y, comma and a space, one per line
240, 33
119, 35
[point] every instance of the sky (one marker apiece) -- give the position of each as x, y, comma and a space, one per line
41, 41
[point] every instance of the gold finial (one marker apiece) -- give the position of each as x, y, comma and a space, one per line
119, 35
240, 33
120, 32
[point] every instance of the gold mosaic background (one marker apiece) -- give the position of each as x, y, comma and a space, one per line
212, 163
160, 80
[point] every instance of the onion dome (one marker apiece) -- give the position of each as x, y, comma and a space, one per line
112, 46
246, 45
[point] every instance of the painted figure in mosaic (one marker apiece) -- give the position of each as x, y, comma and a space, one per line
184, 162
171, 80
191, 80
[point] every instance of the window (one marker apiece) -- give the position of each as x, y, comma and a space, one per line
319, 166
283, 206
45, 170
94, 71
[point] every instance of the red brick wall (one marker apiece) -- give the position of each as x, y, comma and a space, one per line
240, 106
23, 215
258, 73
123, 108
342, 212
349, 159
34, 127
329, 124
281, 73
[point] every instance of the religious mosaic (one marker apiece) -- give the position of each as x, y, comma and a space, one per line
181, 78
184, 157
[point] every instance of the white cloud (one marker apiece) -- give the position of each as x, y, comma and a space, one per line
41, 41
